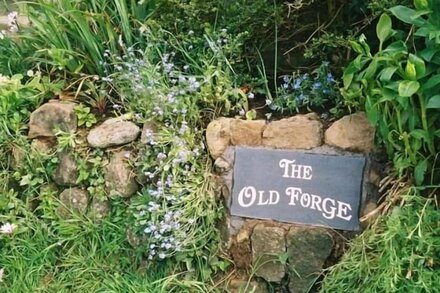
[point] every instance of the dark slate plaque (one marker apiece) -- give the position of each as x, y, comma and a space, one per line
298, 187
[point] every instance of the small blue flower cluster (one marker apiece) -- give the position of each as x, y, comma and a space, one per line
313, 91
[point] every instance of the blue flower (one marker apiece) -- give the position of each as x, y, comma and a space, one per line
330, 77
297, 84
316, 85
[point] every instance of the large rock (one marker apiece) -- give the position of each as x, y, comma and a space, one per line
247, 132
297, 132
119, 176
218, 136
267, 244
66, 173
50, 116
352, 132
73, 200
113, 132
307, 248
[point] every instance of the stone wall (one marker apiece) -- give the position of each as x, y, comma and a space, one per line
288, 255
115, 137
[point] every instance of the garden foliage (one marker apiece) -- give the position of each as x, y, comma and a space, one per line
399, 86
173, 66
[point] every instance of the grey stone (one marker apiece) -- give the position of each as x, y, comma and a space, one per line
352, 132
99, 209
307, 248
267, 244
113, 132
73, 200
66, 173
218, 136
50, 116
119, 176
297, 132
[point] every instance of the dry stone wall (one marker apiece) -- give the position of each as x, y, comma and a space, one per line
281, 253
288, 255
114, 136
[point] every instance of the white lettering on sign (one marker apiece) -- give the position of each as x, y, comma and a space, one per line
292, 170
249, 195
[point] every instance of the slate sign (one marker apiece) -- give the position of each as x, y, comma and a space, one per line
298, 187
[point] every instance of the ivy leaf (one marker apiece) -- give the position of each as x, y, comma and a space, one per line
407, 88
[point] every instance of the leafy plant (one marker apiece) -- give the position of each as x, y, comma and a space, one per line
84, 116
399, 86
317, 91
398, 254
72, 35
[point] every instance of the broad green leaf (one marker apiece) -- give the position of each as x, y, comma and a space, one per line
419, 171
387, 73
419, 65
429, 52
434, 102
347, 79
432, 82
384, 27
371, 69
407, 15
396, 47
407, 88
371, 110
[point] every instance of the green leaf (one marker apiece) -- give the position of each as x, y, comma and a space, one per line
387, 73
434, 102
419, 171
432, 82
428, 53
420, 134
407, 88
357, 47
383, 28
419, 65
407, 15
410, 71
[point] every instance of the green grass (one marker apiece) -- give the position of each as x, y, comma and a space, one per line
400, 253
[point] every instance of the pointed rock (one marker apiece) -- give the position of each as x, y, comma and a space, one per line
119, 176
